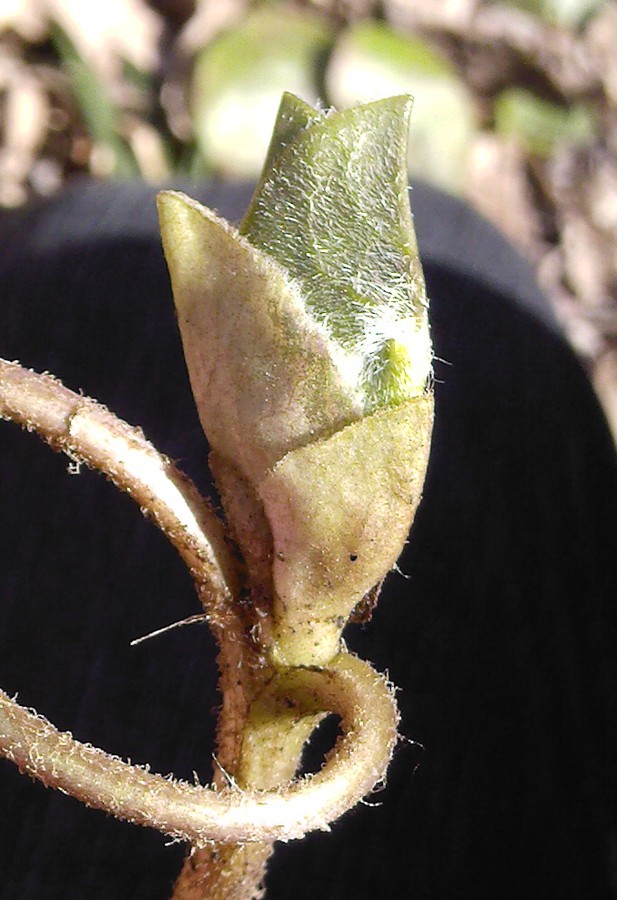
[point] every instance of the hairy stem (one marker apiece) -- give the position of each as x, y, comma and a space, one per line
350, 688
273, 738
265, 718
89, 433
224, 872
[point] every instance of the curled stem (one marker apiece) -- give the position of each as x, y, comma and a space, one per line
89, 433
349, 687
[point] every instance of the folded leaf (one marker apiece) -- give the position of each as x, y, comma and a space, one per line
307, 343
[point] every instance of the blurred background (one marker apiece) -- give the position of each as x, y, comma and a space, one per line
515, 111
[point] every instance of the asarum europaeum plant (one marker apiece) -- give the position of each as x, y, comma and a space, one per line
307, 343
306, 338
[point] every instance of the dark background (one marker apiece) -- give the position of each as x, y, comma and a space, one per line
502, 636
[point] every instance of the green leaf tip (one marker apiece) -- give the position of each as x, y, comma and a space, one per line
332, 208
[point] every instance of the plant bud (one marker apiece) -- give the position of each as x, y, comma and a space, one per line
306, 338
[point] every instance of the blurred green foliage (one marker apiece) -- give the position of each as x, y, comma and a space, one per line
101, 116
231, 87
238, 81
568, 13
539, 125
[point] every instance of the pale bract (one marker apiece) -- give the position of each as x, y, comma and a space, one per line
306, 337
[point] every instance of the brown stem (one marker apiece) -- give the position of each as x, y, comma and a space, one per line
350, 688
273, 737
89, 433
